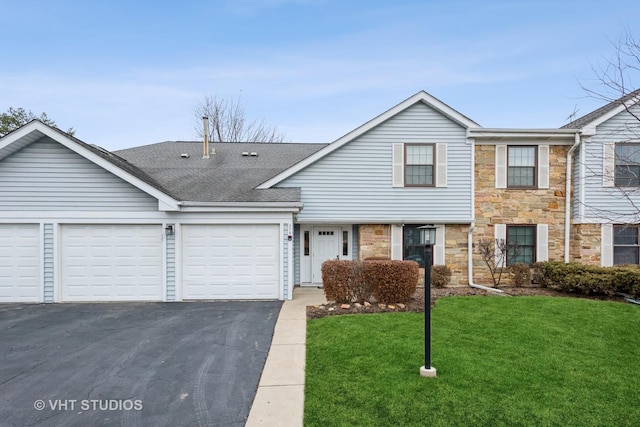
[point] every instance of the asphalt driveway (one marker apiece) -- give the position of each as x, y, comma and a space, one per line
132, 364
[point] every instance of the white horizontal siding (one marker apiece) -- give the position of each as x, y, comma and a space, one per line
355, 182
609, 204
47, 176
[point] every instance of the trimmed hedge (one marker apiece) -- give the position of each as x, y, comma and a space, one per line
392, 281
356, 281
344, 281
590, 279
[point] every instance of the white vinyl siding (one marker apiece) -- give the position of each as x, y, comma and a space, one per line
46, 176
20, 263
111, 262
602, 201
360, 182
230, 262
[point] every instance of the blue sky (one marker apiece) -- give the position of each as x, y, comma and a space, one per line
126, 73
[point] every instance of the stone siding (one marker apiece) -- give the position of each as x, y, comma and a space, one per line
518, 206
585, 243
374, 241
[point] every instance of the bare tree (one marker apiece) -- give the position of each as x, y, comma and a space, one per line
228, 122
495, 254
614, 83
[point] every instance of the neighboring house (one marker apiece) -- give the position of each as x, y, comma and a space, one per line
163, 223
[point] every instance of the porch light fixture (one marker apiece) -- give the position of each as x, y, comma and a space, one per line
428, 239
169, 229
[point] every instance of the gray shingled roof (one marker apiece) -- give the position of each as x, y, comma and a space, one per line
227, 176
594, 115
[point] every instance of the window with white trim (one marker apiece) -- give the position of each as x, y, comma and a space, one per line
521, 167
627, 165
412, 250
524, 239
626, 248
419, 165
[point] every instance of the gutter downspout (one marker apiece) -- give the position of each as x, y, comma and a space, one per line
470, 266
567, 195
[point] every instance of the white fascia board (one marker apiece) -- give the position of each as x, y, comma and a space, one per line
620, 108
313, 221
241, 206
421, 96
519, 134
166, 202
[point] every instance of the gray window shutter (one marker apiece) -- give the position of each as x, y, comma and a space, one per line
438, 249
500, 233
609, 165
501, 166
543, 166
398, 165
441, 165
542, 242
606, 245
396, 241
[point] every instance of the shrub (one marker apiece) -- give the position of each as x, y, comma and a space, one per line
343, 281
440, 276
521, 273
591, 279
392, 281
537, 275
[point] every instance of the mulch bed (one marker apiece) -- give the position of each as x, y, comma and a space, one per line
416, 303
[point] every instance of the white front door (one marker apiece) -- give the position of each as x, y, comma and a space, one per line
326, 245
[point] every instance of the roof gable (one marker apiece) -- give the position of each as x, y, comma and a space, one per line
36, 130
420, 97
604, 113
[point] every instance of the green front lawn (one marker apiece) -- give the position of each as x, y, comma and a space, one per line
500, 361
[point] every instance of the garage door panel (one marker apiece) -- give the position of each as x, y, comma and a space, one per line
20, 263
231, 262
111, 262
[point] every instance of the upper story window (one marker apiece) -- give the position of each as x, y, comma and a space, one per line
419, 165
521, 167
627, 165
524, 237
626, 248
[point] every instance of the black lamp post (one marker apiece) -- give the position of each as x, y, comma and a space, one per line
428, 239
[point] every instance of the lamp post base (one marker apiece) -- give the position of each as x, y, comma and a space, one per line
428, 372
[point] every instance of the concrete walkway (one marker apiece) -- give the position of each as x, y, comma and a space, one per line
280, 397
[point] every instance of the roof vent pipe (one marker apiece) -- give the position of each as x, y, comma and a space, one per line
205, 148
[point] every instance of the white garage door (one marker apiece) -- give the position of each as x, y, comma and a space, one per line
20, 263
230, 261
111, 262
